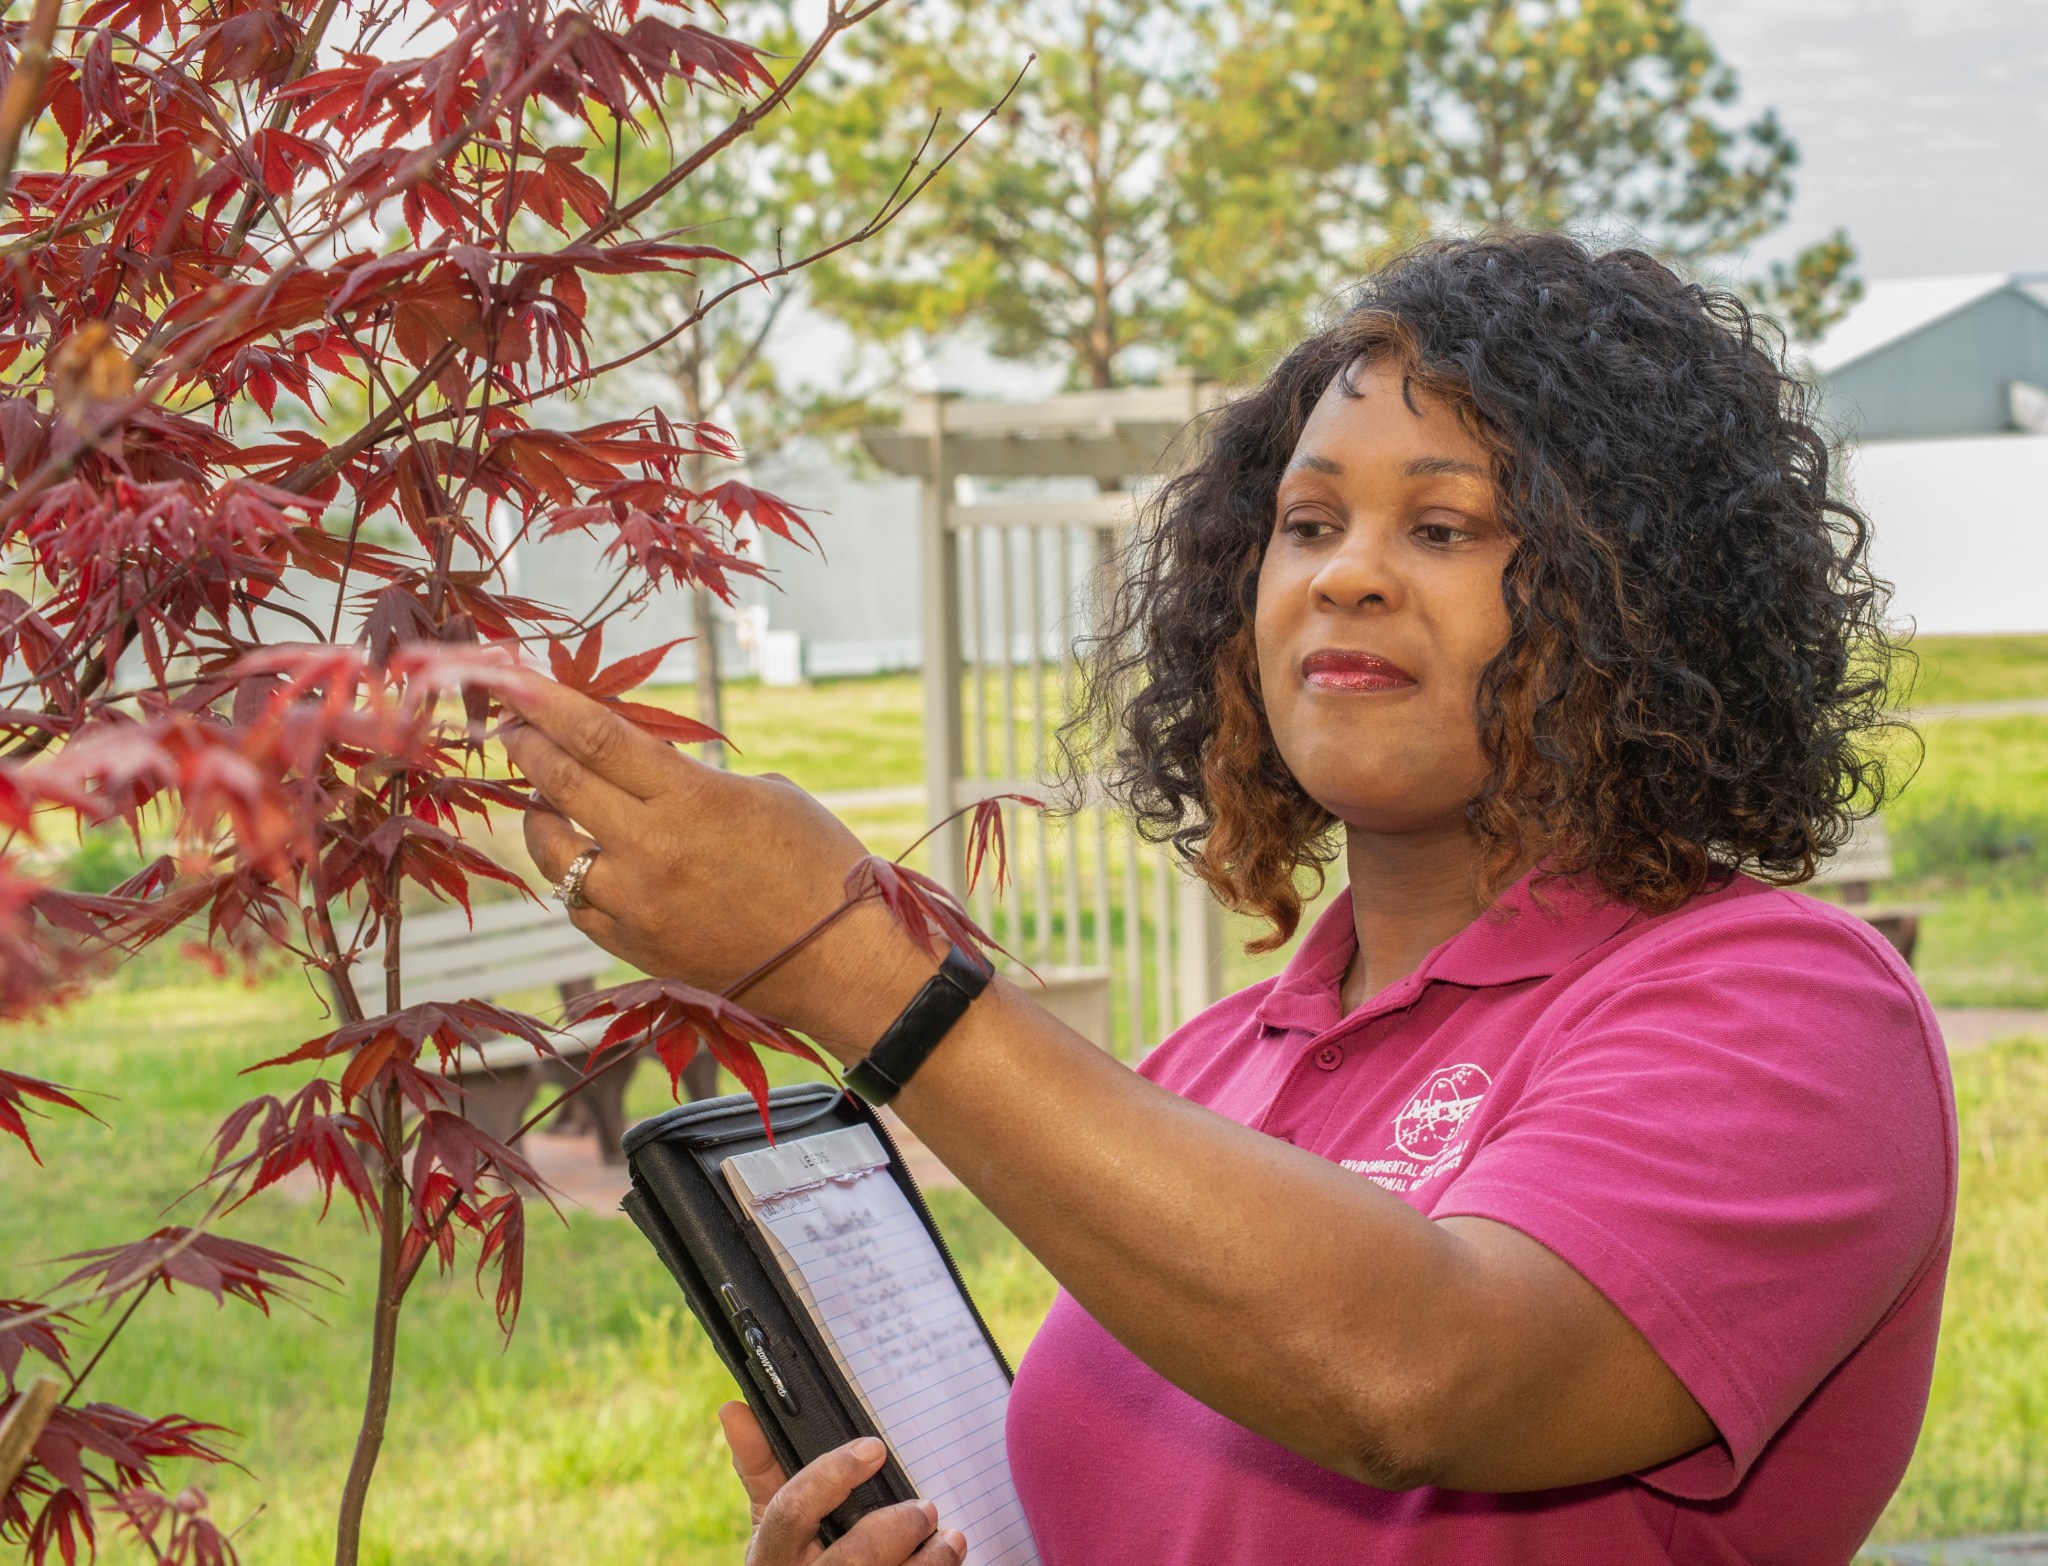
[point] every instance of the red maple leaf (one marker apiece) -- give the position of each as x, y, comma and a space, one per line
303, 1131
736, 500
178, 1254
985, 836
926, 910
24, 1330
676, 1020
580, 672
466, 1154
16, 1090
191, 1538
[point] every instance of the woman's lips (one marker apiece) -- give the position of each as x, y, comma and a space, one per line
1334, 669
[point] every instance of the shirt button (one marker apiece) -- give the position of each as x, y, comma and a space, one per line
1329, 1057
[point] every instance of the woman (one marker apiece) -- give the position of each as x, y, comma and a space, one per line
1574, 1195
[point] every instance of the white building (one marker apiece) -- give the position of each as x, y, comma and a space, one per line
1940, 385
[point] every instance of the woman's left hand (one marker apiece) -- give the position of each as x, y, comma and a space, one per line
704, 874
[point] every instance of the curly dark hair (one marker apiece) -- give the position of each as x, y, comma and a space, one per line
1697, 662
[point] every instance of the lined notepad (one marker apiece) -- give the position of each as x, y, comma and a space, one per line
866, 1269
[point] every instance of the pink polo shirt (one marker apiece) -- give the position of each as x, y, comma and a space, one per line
1734, 1120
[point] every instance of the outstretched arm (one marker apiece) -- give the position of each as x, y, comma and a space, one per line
1297, 1299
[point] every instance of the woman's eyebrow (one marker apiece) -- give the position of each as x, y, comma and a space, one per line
1317, 464
1422, 467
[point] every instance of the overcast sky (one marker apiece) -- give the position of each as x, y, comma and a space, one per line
1923, 124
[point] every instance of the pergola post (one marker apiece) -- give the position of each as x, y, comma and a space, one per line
939, 552
1126, 944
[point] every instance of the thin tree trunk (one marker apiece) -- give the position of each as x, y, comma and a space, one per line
396, 1200
710, 693
710, 696
1102, 330
355, 1494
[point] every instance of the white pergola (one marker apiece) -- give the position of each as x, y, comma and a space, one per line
1128, 944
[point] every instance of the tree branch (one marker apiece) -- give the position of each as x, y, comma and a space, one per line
742, 124
25, 86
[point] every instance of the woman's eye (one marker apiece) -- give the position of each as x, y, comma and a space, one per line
1442, 533
1304, 527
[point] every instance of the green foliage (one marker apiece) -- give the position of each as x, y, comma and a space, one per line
1971, 838
1298, 165
1970, 841
1051, 236
1564, 113
1178, 179
1814, 289
1188, 182
104, 858
1976, 770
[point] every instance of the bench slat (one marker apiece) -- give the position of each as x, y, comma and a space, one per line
511, 949
483, 984
1866, 857
514, 946
447, 926
491, 1055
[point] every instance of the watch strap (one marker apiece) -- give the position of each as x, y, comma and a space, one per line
909, 1040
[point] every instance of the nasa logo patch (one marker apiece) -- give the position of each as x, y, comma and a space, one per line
1430, 1124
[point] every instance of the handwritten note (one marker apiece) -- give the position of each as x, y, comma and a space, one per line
866, 1269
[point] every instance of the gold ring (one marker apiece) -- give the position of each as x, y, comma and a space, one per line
570, 888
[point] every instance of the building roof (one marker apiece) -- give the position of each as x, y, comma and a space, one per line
1897, 307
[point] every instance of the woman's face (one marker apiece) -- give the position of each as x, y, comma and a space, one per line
1379, 604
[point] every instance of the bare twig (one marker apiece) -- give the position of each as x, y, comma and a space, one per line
107, 1342
837, 21
893, 206
25, 85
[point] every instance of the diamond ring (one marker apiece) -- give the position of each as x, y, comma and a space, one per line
570, 888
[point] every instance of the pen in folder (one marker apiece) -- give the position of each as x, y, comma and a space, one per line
766, 1371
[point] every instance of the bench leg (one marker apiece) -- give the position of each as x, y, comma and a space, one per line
497, 1100
559, 1074
700, 1076
598, 1110
1902, 930
604, 1104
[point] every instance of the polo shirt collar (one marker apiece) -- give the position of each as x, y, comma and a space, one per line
1538, 927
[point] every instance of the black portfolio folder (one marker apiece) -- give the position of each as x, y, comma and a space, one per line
683, 1204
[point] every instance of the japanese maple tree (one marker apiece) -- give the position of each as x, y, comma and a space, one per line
285, 285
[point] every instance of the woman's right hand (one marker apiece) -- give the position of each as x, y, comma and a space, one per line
787, 1511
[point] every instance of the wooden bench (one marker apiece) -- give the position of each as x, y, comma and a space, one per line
518, 946
1857, 867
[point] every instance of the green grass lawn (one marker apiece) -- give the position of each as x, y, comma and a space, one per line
590, 1438
1982, 1462
1957, 669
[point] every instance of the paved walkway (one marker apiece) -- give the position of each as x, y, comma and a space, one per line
2012, 1549
2022, 707
1972, 1027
